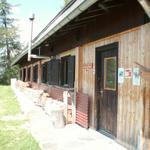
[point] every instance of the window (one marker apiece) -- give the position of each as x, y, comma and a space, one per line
24, 74
44, 72
35, 73
20, 74
54, 72
62, 72
29, 73
68, 71
110, 73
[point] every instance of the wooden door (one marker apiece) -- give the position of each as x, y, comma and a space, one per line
106, 87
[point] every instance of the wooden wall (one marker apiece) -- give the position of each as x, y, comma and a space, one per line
134, 46
133, 118
145, 45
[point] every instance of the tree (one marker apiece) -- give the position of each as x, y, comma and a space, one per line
66, 1
9, 41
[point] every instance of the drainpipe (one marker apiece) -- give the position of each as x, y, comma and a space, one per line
30, 43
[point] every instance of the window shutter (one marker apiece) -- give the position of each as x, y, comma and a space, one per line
35, 73
62, 72
20, 74
43, 68
50, 72
71, 71
56, 72
44, 72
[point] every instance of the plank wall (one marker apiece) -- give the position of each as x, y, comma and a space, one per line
132, 120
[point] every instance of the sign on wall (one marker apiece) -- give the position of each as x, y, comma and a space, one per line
136, 76
128, 73
120, 75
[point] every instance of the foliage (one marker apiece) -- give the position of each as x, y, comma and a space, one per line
7, 74
9, 42
66, 1
12, 134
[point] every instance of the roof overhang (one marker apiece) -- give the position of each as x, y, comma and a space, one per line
58, 22
146, 6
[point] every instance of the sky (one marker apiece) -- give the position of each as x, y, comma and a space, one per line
44, 11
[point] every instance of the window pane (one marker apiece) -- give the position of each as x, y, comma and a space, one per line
110, 73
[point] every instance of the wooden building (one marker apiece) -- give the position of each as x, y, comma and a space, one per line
97, 48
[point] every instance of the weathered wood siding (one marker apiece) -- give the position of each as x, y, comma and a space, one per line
145, 45
134, 46
133, 118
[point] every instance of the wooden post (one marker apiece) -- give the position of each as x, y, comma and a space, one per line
26, 77
65, 99
31, 76
39, 71
74, 105
22, 74
77, 67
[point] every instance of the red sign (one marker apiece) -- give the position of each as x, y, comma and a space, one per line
128, 73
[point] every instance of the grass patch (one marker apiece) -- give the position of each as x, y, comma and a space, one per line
8, 102
12, 135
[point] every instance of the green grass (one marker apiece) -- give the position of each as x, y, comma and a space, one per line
8, 102
12, 134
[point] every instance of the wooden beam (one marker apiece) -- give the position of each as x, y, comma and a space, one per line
103, 7
145, 72
39, 57
76, 25
143, 67
146, 6
89, 17
107, 7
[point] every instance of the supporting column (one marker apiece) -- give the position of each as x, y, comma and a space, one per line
39, 72
26, 77
31, 75
77, 69
22, 74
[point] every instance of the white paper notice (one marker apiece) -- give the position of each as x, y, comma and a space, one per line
136, 76
120, 75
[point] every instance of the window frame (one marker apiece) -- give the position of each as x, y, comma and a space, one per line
105, 73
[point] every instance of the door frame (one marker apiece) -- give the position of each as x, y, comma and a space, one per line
103, 49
